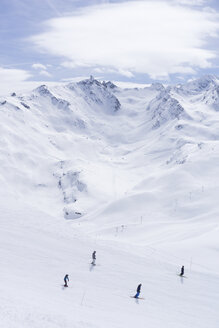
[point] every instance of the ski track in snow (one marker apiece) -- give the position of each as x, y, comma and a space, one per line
130, 173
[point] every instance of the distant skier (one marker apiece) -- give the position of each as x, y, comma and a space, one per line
182, 271
94, 258
66, 279
138, 291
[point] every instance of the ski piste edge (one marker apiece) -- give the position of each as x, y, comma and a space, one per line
138, 298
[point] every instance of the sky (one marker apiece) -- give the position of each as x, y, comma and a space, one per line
140, 41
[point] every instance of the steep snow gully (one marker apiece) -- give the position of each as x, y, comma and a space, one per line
130, 173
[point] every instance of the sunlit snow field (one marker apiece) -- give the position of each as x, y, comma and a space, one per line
130, 173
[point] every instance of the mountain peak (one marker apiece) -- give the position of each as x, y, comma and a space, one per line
43, 90
164, 108
199, 85
98, 94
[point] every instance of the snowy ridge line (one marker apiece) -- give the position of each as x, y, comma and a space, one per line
147, 194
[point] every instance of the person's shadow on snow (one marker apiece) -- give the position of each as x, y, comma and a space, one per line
91, 267
63, 287
181, 280
136, 300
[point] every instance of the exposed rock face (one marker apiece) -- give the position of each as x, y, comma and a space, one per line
164, 108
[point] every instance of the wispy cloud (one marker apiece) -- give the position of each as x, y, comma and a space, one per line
154, 37
12, 78
42, 69
39, 66
53, 7
191, 2
45, 73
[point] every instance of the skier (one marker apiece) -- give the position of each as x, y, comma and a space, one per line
182, 271
138, 291
66, 279
93, 258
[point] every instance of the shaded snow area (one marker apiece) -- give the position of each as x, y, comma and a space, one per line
130, 173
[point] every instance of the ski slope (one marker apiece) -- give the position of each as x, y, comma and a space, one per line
130, 173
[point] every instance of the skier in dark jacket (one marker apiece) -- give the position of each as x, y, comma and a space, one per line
66, 279
182, 271
138, 291
94, 258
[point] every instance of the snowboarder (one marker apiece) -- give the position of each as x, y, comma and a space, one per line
94, 258
138, 291
66, 279
182, 271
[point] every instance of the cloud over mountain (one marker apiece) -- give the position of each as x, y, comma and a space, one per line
151, 37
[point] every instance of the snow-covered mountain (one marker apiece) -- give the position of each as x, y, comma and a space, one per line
131, 173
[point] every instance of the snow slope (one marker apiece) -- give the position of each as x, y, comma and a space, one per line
131, 173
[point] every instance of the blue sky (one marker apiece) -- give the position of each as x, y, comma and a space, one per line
136, 41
